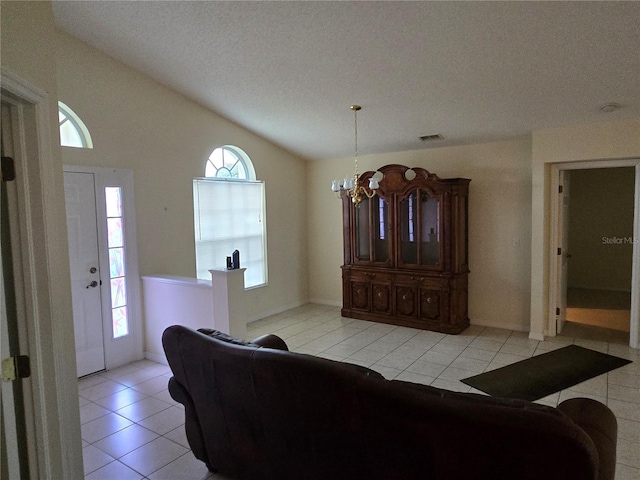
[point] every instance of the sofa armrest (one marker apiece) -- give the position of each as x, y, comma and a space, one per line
599, 422
191, 422
271, 341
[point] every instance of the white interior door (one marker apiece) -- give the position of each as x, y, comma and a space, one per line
86, 284
564, 250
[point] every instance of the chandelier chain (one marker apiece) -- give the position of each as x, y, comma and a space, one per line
355, 116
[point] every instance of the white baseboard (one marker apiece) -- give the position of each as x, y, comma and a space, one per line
536, 336
508, 326
323, 301
154, 357
276, 311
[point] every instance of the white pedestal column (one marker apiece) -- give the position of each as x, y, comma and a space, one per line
228, 302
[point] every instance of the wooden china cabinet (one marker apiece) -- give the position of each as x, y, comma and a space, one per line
405, 251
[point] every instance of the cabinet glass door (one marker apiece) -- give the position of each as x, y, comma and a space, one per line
372, 230
380, 214
420, 229
409, 229
430, 230
363, 241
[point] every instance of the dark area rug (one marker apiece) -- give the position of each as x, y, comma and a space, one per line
542, 375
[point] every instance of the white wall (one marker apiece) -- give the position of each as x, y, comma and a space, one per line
499, 224
165, 138
28, 39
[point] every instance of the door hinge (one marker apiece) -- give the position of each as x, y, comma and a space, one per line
559, 188
15, 367
559, 251
8, 169
557, 311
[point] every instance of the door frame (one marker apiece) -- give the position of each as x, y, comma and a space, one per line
563, 242
555, 232
55, 448
127, 349
13, 396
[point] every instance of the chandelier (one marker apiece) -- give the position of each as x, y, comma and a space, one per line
351, 186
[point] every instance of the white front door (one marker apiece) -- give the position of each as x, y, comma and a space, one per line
104, 267
84, 262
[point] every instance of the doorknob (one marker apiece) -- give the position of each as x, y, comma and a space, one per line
93, 284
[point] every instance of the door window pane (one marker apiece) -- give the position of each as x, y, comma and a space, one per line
120, 322
114, 232
118, 292
116, 262
114, 201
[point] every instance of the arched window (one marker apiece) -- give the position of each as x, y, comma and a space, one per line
229, 162
229, 214
73, 131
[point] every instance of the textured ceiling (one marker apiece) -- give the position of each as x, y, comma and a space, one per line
288, 71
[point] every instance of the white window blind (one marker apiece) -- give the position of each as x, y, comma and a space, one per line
229, 215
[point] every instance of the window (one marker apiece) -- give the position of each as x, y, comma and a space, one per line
229, 162
229, 214
117, 266
73, 131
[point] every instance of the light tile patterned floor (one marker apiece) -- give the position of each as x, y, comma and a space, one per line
132, 429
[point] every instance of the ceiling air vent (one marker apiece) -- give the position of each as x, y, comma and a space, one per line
429, 138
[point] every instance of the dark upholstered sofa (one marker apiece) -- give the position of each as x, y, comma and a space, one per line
257, 411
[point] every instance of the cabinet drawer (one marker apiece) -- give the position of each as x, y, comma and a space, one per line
422, 281
373, 277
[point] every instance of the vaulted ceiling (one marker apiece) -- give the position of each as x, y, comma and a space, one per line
288, 71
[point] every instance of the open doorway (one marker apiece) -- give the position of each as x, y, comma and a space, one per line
601, 247
596, 264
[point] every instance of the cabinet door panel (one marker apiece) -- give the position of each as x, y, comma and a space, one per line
405, 300
430, 304
360, 295
381, 298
